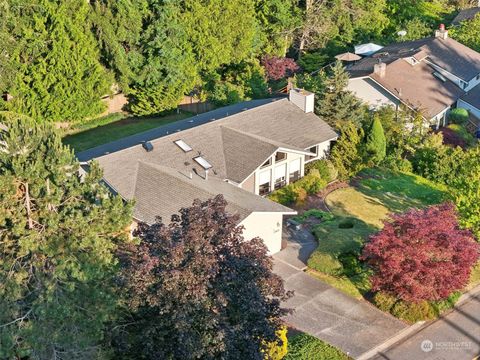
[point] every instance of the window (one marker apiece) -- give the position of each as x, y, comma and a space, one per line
294, 176
280, 173
314, 151
294, 170
183, 145
264, 181
264, 189
280, 156
266, 163
202, 162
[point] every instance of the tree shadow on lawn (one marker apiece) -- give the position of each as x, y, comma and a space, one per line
400, 191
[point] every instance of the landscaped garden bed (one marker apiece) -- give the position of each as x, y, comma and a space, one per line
359, 211
307, 347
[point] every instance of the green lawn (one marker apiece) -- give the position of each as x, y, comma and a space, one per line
307, 347
113, 127
359, 211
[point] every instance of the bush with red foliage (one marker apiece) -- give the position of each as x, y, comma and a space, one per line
278, 68
421, 254
452, 138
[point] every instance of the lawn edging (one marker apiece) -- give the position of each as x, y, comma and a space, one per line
392, 341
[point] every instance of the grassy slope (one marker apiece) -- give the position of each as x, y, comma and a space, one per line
113, 127
365, 206
307, 347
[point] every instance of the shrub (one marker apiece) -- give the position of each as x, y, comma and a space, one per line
334, 243
458, 116
421, 254
318, 214
298, 191
325, 168
397, 163
413, 312
307, 347
277, 350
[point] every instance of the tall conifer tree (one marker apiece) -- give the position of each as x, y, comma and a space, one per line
58, 233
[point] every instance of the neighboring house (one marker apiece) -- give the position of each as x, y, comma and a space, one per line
466, 15
428, 75
242, 156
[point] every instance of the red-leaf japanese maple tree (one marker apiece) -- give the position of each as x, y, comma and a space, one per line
421, 254
278, 68
197, 289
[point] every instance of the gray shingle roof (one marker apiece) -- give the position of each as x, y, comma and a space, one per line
449, 54
473, 97
465, 15
235, 146
162, 191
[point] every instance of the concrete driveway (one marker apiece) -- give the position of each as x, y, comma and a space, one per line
322, 311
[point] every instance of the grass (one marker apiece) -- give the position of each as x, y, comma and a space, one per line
307, 347
113, 127
355, 286
474, 277
359, 211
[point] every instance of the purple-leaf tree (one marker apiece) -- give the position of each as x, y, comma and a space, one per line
421, 254
197, 289
278, 68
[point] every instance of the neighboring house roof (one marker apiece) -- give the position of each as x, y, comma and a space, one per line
473, 97
449, 54
235, 146
178, 190
417, 87
466, 15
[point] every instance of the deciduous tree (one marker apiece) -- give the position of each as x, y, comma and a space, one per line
421, 254
197, 289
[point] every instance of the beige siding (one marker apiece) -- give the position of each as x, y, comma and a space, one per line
267, 226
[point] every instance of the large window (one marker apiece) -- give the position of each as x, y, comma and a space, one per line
280, 156
264, 183
294, 171
280, 176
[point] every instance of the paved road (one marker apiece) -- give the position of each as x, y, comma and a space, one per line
453, 337
169, 129
320, 310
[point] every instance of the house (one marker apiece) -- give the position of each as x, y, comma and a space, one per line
243, 156
428, 75
466, 15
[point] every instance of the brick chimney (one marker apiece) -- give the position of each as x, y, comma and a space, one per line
380, 69
305, 100
441, 33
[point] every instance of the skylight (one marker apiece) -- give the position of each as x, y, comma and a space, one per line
203, 163
439, 76
183, 145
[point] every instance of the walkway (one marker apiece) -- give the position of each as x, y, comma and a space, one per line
169, 129
320, 310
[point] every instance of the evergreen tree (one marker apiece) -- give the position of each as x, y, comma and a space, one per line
59, 75
346, 154
58, 234
376, 143
337, 105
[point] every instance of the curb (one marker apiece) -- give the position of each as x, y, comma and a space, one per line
393, 340
415, 327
